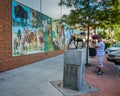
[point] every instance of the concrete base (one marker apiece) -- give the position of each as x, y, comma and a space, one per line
74, 62
73, 77
87, 88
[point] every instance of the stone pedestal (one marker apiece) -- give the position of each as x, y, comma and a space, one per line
74, 62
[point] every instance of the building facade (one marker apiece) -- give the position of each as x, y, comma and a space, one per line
47, 7
8, 60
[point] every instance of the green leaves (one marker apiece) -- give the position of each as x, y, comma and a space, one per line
101, 11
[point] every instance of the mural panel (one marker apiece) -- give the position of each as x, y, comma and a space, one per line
57, 35
31, 31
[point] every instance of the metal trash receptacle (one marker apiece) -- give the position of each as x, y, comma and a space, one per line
92, 51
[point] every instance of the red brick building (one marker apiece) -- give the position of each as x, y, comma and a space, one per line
7, 61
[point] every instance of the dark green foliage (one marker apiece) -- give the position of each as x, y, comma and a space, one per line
107, 44
102, 34
88, 12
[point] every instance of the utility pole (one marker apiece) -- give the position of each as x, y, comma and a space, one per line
40, 5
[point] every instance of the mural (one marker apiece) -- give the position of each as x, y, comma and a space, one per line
57, 35
31, 31
34, 32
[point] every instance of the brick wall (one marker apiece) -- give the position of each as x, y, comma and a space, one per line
8, 62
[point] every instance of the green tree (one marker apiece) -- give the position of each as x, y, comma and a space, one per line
92, 13
116, 29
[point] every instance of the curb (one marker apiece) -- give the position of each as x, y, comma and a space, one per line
117, 69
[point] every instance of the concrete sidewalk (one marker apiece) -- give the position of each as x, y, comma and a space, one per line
34, 79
